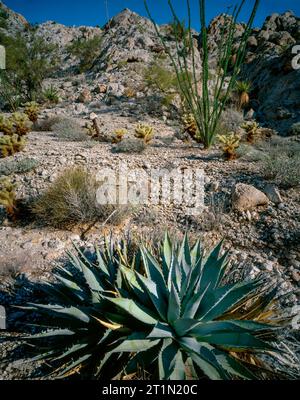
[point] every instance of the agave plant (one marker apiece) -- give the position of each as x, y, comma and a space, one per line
168, 313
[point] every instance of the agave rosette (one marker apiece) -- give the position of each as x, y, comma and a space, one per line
168, 313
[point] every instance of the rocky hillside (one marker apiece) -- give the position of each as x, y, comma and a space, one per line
130, 43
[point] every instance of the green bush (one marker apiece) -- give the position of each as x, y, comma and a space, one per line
29, 61
18, 166
164, 312
71, 200
50, 94
130, 145
87, 51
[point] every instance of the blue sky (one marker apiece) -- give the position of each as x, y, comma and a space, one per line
93, 12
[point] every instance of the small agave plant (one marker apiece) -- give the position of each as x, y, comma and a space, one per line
166, 312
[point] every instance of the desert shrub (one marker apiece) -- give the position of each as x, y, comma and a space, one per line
164, 81
129, 145
69, 129
281, 162
71, 199
29, 61
18, 166
230, 121
87, 51
163, 309
295, 129
46, 125
160, 78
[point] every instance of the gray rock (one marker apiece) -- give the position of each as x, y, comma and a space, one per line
273, 194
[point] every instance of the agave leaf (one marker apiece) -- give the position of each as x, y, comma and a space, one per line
73, 349
61, 294
136, 311
170, 362
216, 327
100, 262
154, 272
63, 312
143, 360
203, 357
136, 289
184, 256
91, 278
213, 266
233, 366
74, 367
50, 334
235, 341
167, 255
190, 284
183, 325
193, 304
173, 305
176, 275
134, 343
196, 253
152, 291
161, 331
231, 295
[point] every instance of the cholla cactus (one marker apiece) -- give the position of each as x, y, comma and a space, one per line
6, 125
144, 132
253, 131
230, 143
21, 122
32, 111
8, 197
10, 145
119, 135
190, 126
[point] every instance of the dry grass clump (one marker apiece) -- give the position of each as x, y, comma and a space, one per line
281, 162
69, 129
71, 200
46, 125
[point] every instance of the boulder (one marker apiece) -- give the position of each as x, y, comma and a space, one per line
272, 193
247, 197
